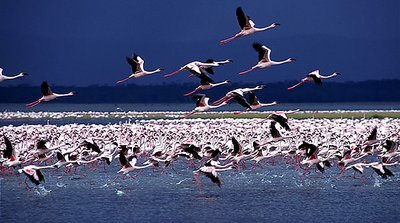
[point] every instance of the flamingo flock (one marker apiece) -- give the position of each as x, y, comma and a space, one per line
207, 147
200, 69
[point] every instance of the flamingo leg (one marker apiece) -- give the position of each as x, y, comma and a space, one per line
198, 181
110, 182
30, 105
123, 80
240, 112
225, 41
190, 114
173, 73
195, 90
246, 71
219, 101
290, 88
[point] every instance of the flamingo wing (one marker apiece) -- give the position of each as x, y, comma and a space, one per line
134, 65
45, 89
242, 18
264, 52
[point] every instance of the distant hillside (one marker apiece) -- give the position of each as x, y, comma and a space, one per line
366, 91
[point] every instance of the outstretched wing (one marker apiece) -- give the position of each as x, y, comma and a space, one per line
9, 148
263, 52
45, 88
241, 100
242, 18
134, 64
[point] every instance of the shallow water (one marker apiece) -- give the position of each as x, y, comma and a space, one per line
269, 194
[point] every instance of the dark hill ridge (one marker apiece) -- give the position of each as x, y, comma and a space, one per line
365, 91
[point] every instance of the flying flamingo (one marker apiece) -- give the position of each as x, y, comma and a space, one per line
202, 105
205, 83
33, 173
4, 77
255, 103
48, 95
137, 64
264, 58
237, 94
247, 26
195, 66
209, 171
210, 63
281, 118
314, 76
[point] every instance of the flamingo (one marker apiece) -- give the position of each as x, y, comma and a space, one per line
195, 66
131, 165
209, 171
33, 173
247, 26
48, 95
237, 93
4, 77
202, 105
206, 83
255, 103
210, 63
314, 76
264, 58
137, 64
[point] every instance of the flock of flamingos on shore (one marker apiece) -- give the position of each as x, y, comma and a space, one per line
208, 146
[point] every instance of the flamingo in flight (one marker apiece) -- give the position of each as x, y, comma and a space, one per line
255, 103
202, 105
137, 64
4, 77
238, 94
195, 66
33, 173
206, 83
48, 95
314, 76
247, 26
264, 58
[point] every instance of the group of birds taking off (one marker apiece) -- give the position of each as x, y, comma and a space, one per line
202, 71
207, 147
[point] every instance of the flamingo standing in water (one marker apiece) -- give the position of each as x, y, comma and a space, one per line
314, 76
205, 83
202, 105
247, 26
195, 66
264, 58
48, 95
4, 77
137, 64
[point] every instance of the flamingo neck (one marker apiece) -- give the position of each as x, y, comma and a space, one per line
281, 62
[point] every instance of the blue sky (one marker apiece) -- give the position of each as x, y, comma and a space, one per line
85, 42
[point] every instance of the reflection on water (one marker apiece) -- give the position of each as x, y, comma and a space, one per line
268, 194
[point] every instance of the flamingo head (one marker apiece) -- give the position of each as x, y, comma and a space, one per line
291, 59
275, 25
23, 74
337, 73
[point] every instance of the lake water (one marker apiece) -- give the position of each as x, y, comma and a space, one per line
274, 193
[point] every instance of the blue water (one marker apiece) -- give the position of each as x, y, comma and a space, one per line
274, 193
57, 107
